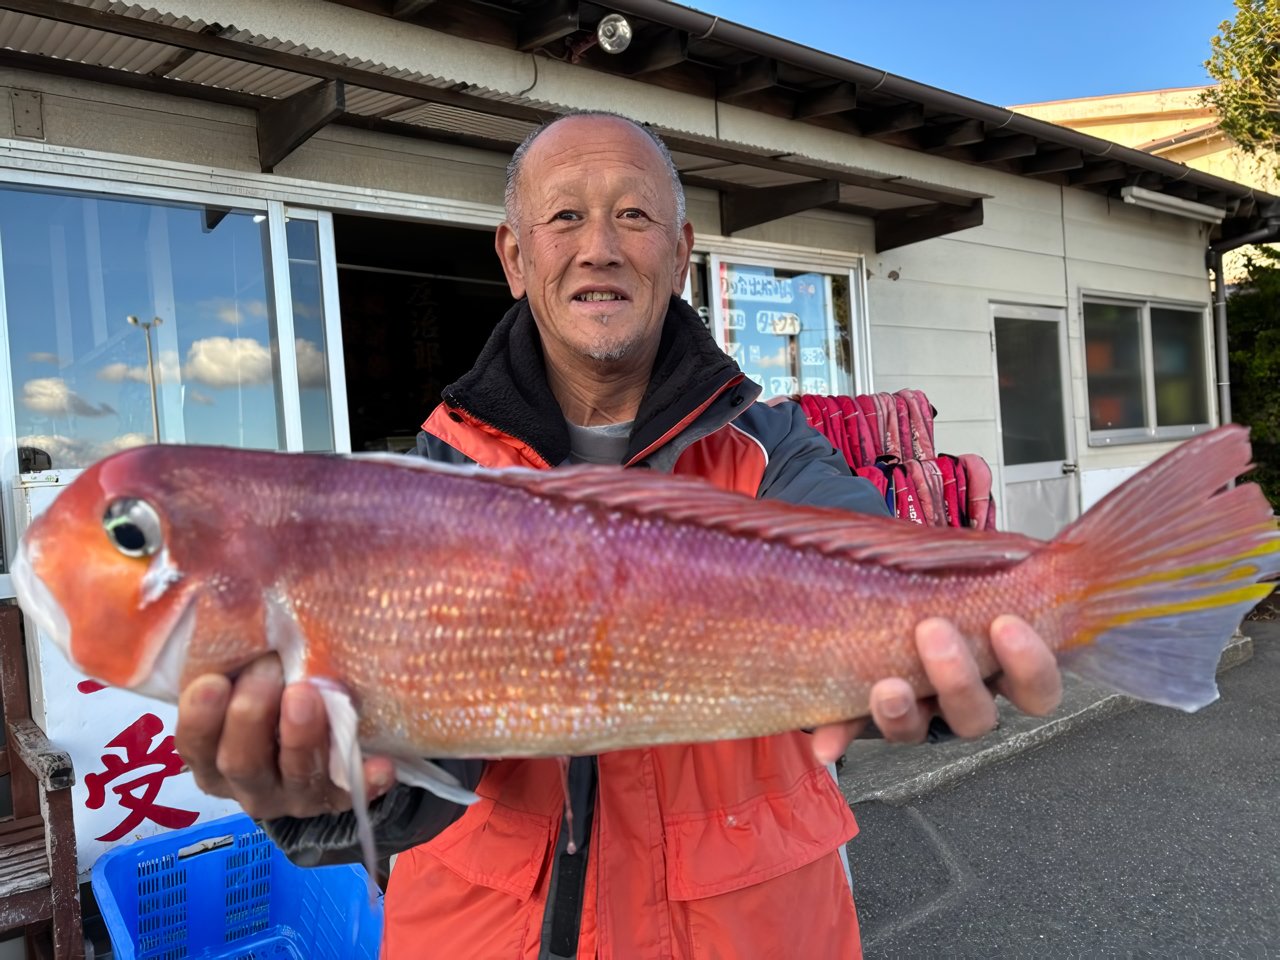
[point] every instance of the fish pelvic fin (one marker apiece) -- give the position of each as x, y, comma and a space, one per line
346, 769
433, 778
1161, 572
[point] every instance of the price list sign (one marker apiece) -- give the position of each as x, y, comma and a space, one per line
777, 327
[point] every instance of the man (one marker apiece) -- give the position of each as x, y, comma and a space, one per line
728, 849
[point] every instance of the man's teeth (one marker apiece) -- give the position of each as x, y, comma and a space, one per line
598, 295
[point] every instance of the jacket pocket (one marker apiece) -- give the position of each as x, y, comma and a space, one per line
727, 849
497, 847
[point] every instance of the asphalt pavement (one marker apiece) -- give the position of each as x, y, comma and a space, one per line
1114, 829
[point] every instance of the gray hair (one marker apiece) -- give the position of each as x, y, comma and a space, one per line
517, 161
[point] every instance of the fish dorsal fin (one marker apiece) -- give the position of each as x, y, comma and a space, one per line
858, 537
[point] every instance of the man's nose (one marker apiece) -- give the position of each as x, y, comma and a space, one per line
601, 246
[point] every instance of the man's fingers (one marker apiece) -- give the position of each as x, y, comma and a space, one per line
897, 712
200, 712
831, 741
247, 750
963, 698
1029, 675
304, 752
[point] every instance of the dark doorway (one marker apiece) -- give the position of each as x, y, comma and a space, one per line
418, 302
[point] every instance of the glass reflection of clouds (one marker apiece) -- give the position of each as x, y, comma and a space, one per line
75, 266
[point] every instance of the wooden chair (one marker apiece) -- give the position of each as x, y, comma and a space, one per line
38, 890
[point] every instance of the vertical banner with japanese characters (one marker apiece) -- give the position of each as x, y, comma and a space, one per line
130, 781
776, 327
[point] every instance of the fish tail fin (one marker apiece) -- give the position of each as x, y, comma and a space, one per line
1160, 573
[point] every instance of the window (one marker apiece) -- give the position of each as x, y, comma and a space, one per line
131, 321
789, 330
1147, 371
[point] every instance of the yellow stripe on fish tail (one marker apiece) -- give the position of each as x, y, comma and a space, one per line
1158, 575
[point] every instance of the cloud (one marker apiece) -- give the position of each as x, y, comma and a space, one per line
233, 312
311, 365
43, 358
224, 362
78, 451
308, 310
51, 395
195, 396
776, 359
167, 371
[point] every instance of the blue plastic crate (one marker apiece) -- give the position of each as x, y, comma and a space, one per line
223, 891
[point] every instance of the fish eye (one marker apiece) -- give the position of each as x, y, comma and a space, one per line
133, 526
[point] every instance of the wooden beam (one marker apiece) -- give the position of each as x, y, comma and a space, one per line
899, 229
740, 209
548, 23
407, 9
877, 123
820, 103
946, 135
995, 149
284, 125
1054, 161
182, 56
747, 78
671, 47
1100, 172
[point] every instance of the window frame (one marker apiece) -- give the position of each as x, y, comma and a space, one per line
1151, 432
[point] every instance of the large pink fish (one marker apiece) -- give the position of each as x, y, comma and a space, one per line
461, 612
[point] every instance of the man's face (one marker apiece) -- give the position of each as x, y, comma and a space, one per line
596, 247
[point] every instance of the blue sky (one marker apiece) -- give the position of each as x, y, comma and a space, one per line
1004, 51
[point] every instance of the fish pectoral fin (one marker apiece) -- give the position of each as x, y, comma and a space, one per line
434, 779
346, 766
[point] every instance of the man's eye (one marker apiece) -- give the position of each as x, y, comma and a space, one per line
634, 214
566, 215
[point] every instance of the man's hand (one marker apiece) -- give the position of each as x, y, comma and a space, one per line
1028, 677
265, 746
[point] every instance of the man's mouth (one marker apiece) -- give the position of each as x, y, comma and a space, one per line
593, 296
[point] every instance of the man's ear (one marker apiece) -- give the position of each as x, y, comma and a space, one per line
507, 244
684, 247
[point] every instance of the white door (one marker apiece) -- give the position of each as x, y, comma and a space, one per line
1037, 445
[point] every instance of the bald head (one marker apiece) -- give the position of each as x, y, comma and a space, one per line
662, 156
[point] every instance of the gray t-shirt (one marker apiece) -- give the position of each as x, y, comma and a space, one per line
604, 444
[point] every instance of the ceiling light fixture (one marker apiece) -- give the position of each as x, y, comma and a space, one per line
613, 35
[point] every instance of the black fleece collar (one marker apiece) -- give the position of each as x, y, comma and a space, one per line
507, 388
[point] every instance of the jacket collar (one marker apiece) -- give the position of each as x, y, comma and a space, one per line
507, 388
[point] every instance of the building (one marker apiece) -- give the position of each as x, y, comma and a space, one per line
1175, 124
295, 201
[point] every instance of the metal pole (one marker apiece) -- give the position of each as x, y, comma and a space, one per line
151, 373
1220, 338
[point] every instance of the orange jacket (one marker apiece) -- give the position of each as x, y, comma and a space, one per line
727, 849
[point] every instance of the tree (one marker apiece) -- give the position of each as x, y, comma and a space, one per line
1253, 332
1245, 61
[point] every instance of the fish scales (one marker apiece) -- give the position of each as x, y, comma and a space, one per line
615, 627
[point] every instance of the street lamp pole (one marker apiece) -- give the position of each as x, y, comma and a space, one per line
151, 371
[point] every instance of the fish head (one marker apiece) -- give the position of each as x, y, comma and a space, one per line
115, 569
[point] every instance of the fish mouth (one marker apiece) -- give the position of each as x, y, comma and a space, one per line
37, 601
164, 680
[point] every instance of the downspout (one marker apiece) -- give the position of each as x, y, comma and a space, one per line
1214, 254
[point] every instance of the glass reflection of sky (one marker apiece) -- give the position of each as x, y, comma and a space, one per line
75, 267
